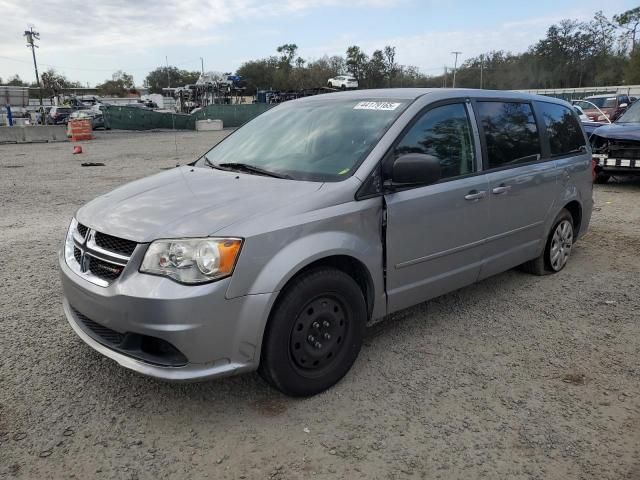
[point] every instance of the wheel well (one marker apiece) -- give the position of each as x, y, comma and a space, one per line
352, 267
575, 210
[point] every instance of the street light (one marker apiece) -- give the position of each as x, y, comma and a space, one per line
455, 65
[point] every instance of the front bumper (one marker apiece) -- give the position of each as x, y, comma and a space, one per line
618, 166
218, 336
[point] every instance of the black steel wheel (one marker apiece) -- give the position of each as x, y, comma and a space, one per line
318, 333
314, 333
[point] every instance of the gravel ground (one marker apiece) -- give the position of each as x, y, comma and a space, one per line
517, 377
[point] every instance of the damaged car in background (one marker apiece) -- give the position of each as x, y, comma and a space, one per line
616, 147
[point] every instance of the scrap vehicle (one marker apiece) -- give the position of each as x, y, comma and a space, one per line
275, 249
616, 147
211, 88
600, 108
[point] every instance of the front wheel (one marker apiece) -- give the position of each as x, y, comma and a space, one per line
557, 249
314, 334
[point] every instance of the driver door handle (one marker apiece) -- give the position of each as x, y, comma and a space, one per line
475, 195
501, 189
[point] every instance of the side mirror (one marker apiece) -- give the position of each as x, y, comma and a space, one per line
416, 169
624, 105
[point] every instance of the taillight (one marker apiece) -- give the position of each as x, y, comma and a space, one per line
593, 169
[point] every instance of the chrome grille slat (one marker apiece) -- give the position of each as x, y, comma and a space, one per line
99, 265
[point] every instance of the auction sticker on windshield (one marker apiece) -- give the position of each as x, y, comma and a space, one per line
376, 106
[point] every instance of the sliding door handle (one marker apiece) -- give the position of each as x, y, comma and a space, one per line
501, 189
475, 195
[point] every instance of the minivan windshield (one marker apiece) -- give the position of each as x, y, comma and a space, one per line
322, 140
632, 115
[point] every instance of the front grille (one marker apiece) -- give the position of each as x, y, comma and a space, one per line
619, 149
77, 254
82, 230
115, 244
105, 270
624, 149
106, 334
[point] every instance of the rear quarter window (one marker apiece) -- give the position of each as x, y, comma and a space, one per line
563, 130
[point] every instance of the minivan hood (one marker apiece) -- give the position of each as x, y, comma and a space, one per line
188, 202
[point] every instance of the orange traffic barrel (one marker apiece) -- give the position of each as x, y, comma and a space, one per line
80, 129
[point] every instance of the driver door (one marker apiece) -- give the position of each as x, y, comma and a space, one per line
435, 233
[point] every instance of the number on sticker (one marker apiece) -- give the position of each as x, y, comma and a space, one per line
376, 106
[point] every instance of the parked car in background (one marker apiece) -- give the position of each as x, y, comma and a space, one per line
344, 82
94, 114
58, 115
616, 147
273, 254
581, 115
609, 107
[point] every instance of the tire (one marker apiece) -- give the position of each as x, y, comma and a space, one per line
343, 87
601, 178
314, 333
557, 249
330, 85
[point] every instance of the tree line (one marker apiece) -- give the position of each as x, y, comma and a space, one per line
601, 51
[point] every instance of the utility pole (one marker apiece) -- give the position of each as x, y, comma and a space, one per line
444, 78
202, 65
481, 69
31, 36
166, 58
455, 66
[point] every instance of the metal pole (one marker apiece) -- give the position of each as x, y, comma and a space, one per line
481, 69
31, 35
166, 58
455, 66
202, 64
444, 78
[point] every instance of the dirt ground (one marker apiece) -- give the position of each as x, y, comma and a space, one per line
517, 377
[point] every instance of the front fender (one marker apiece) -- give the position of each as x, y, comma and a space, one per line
269, 260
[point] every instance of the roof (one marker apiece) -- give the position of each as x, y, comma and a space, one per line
411, 94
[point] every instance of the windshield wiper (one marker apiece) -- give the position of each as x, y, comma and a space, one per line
245, 167
209, 163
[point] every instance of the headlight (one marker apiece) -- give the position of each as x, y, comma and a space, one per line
192, 260
68, 243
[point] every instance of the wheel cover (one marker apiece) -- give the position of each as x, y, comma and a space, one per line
561, 244
319, 333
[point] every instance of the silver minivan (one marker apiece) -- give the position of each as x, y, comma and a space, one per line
276, 248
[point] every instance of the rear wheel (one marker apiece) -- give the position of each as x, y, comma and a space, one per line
557, 249
602, 178
315, 333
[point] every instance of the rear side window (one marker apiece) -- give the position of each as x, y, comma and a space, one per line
563, 129
445, 133
510, 133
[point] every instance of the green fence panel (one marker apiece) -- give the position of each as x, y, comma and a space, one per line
231, 115
132, 118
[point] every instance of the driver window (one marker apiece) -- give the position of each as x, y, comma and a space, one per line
445, 133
